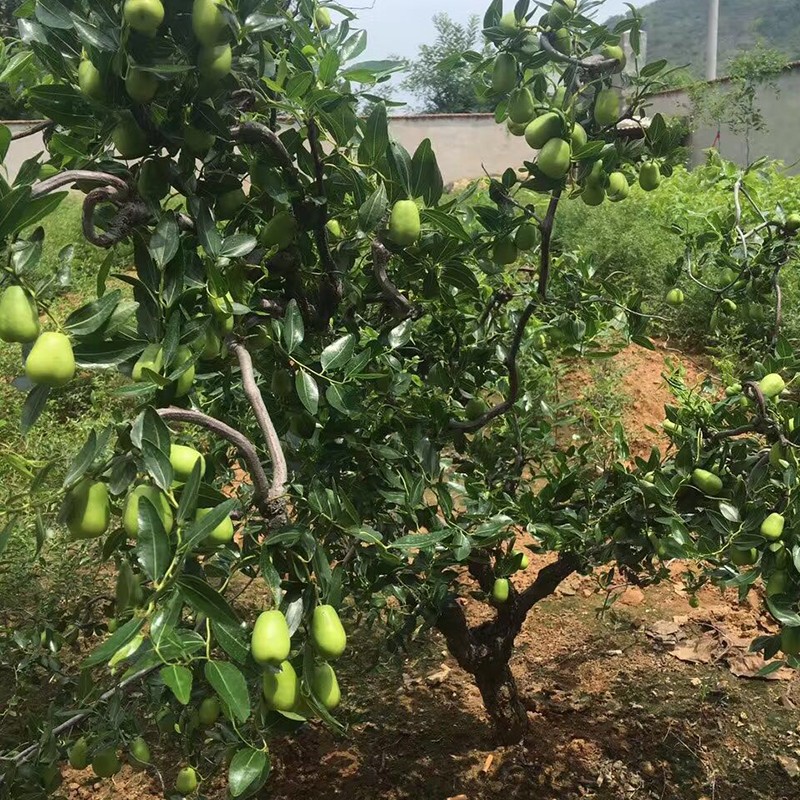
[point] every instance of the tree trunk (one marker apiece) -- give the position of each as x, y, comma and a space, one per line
501, 698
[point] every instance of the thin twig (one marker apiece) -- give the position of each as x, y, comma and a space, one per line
280, 474
546, 229
41, 126
591, 64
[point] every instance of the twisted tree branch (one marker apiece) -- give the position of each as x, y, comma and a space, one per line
245, 447
254, 133
380, 260
75, 176
131, 215
280, 474
591, 64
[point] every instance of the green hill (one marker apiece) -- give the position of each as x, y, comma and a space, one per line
676, 29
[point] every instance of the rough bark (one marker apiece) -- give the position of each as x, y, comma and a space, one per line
502, 702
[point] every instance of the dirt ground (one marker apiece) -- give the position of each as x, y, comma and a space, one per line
647, 698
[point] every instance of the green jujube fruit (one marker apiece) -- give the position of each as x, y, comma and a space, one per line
105, 763
593, 194
144, 16
476, 407
579, 137
504, 251
772, 527
51, 361
606, 107
280, 231
214, 63
281, 690
793, 223
19, 317
325, 686
323, 18
772, 385
130, 513
778, 583
743, 558
88, 511
521, 108
614, 51
562, 40
649, 177
229, 203
196, 141
543, 129
618, 187
186, 781
504, 73
185, 380
526, 236
79, 754
790, 641
404, 223
139, 753
90, 81
141, 85
554, 158
129, 139
183, 459
327, 633
500, 590
282, 384
509, 23
223, 533
208, 713
674, 298
212, 346
152, 358
208, 22
153, 180
270, 642
514, 129
334, 228
707, 482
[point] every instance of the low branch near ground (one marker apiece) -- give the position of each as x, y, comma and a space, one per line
380, 261
280, 474
246, 448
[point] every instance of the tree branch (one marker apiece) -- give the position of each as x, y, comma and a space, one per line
546, 228
380, 260
591, 64
254, 133
75, 176
452, 623
41, 126
245, 447
130, 215
280, 474
547, 581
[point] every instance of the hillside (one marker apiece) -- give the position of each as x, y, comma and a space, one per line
676, 29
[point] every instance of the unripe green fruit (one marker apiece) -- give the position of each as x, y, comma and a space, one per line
212, 346
509, 23
88, 512
222, 534
208, 713
90, 81
229, 203
562, 40
526, 236
560, 12
593, 194
185, 381
606, 107
727, 306
47, 171
476, 407
743, 558
323, 18
144, 16
733, 389
504, 73
270, 642
618, 187
404, 223
325, 686
675, 298
141, 85
183, 459
543, 129
772, 385
560, 97
707, 482
793, 223
579, 137
105, 763
79, 754
186, 781
112, 625
649, 176
334, 228
51, 361
772, 527
260, 173
282, 384
672, 427
302, 425
616, 52
130, 513
197, 142
139, 753
281, 690
214, 63
790, 641
280, 231
504, 251
208, 23
521, 108
554, 158
153, 180
327, 633
19, 317
500, 590
152, 358
514, 129
778, 583
777, 456
129, 139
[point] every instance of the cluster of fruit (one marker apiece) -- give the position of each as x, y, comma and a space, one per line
501, 588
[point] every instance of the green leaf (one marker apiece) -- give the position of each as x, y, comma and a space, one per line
179, 679
247, 766
447, 223
13, 207
238, 245
203, 598
370, 71
372, 210
307, 391
91, 317
118, 639
157, 464
781, 607
293, 328
33, 407
95, 37
200, 530
165, 241
232, 640
345, 399
229, 683
338, 353
730, 512
82, 460
421, 541
5, 534
52, 14
426, 178
16, 66
153, 548
401, 334
460, 276
188, 502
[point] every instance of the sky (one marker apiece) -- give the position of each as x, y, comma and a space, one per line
399, 27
